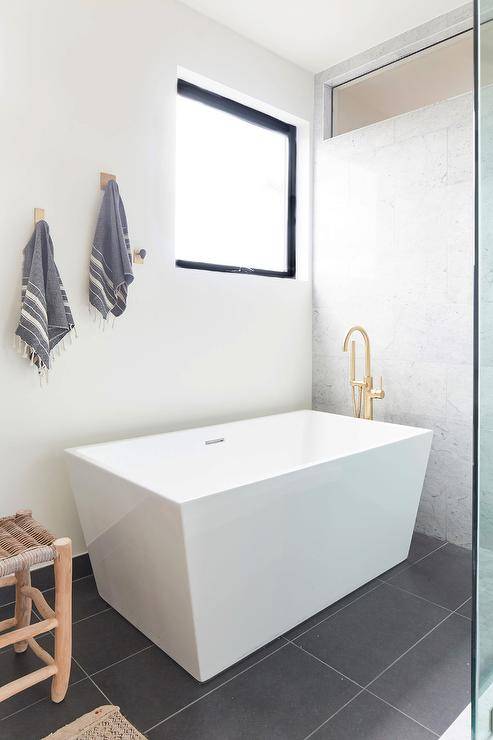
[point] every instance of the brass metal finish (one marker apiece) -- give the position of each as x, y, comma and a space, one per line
104, 178
39, 214
362, 391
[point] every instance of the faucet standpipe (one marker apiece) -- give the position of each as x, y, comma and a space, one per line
362, 391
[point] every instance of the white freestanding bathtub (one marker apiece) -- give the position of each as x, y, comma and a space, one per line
214, 541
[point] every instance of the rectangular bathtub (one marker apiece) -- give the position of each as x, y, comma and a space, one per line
214, 541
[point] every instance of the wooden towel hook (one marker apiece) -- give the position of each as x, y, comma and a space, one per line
39, 214
104, 178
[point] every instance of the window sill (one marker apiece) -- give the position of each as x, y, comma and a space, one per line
238, 270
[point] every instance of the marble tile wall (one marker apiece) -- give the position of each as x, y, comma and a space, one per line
393, 251
486, 344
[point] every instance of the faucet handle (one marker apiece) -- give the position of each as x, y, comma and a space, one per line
380, 393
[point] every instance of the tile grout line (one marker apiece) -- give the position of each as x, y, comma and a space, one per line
51, 588
23, 709
82, 619
462, 616
333, 715
366, 687
408, 650
409, 716
85, 677
90, 616
464, 603
382, 583
460, 607
370, 590
433, 603
122, 660
327, 665
46, 698
363, 688
440, 547
216, 688
90, 679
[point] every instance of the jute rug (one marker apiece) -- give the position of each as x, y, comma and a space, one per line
103, 723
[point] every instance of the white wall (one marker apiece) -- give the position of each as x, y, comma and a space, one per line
89, 85
393, 251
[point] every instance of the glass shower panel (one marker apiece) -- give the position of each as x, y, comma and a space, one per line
483, 631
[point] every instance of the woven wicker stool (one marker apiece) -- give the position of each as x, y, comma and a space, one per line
23, 543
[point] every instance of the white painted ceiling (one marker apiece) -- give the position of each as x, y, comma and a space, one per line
315, 34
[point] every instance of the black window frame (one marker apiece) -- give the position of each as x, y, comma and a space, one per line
194, 92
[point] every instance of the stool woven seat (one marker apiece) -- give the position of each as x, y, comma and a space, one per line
23, 543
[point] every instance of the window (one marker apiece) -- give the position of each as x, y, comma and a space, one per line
441, 71
235, 186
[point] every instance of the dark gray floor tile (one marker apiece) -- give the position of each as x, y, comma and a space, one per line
421, 545
102, 640
432, 681
46, 717
150, 686
85, 598
330, 610
5, 613
81, 566
13, 666
367, 636
7, 595
395, 570
466, 609
368, 718
44, 579
444, 577
283, 698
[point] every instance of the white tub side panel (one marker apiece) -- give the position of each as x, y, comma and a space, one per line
135, 541
265, 557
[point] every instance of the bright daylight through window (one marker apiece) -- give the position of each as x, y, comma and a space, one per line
235, 186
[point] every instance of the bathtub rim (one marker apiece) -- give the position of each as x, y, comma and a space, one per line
78, 453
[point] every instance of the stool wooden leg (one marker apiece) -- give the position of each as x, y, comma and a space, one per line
23, 606
63, 614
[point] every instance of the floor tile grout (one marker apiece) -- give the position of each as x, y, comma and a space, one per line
216, 688
370, 590
51, 588
327, 665
122, 660
365, 687
462, 616
46, 698
91, 680
410, 565
85, 676
23, 709
388, 583
409, 649
312, 733
409, 716
423, 598
90, 616
460, 607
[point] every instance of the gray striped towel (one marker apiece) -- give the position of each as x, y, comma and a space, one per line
46, 317
110, 270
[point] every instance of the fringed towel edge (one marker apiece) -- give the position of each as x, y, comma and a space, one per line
27, 351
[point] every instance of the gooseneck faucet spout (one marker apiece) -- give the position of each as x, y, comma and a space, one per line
362, 391
366, 340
